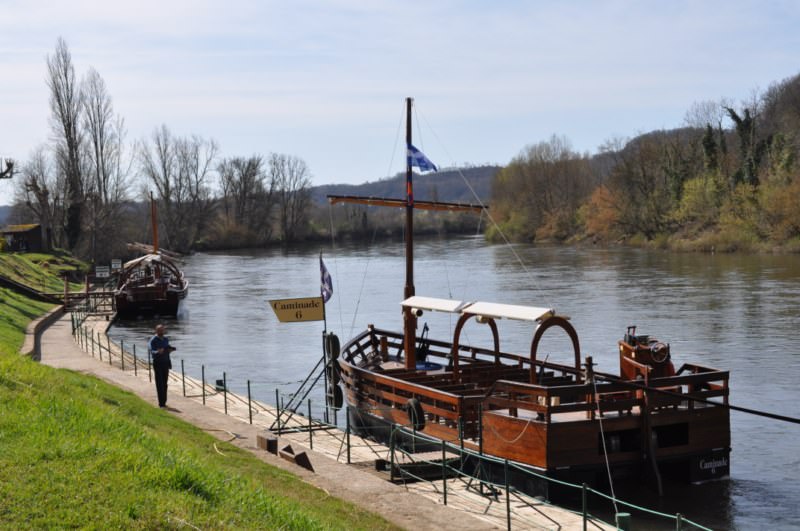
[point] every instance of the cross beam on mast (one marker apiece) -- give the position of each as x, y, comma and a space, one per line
420, 205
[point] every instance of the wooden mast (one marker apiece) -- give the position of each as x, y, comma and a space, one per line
409, 319
154, 220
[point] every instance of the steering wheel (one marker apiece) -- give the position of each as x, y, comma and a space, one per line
659, 352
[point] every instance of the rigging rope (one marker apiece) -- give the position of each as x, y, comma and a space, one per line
484, 208
605, 450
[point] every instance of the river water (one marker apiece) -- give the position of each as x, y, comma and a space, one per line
734, 312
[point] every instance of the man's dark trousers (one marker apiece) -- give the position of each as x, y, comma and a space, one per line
161, 367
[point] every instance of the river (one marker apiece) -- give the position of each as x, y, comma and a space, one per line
734, 312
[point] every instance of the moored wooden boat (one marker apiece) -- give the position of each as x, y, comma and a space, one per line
150, 285
566, 421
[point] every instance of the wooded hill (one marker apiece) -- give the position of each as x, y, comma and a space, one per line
728, 181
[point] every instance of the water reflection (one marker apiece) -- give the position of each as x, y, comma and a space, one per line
727, 311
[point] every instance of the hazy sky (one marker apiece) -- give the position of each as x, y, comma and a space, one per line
325, 80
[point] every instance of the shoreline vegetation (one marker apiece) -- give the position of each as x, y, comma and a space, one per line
78, 452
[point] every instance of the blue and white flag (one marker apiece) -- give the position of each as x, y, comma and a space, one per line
326, 285
417, 158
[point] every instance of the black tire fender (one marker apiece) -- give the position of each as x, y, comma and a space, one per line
337, 397
332, 346
416, 415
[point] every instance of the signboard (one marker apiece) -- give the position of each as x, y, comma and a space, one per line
101, 272
116, 264
298, 310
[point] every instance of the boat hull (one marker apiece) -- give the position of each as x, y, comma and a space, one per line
141, 305
536, 481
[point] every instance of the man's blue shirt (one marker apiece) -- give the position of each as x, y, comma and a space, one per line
157, 343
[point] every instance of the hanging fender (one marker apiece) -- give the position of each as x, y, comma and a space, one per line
416, 415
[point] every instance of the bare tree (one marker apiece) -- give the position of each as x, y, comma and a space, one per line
107, 169
66, 102
180, 169
292, 183
8, 172
539, 192
39, 192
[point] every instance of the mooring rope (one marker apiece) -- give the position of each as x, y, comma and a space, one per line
605, 450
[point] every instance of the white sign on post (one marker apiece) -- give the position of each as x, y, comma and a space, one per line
101, 272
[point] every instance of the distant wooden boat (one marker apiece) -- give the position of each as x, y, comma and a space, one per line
565, 421
151, 285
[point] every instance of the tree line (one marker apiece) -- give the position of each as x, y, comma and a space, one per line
89, 187
729, 180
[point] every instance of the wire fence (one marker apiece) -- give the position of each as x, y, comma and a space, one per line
410, 455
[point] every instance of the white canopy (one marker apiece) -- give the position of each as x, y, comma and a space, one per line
485, 309
148, 258
434, 304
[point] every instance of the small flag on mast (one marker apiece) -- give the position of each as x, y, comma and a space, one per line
326, 284
417, 158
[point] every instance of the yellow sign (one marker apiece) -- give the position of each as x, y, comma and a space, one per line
298, 310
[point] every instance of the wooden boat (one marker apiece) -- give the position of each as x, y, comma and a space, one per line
566, 421
151, 285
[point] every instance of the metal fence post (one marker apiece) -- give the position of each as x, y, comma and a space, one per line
444, 472
122, 353
135, 362
391, 454
347, 432
203, 373
678, 522
225, 391
183, 377
310, 426
108, 348
249, 406
508, 495
583, 503
278, 410
149, 373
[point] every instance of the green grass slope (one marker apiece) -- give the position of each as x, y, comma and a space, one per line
77, 452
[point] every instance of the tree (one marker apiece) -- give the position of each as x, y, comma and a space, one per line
8, 172
292, 183
180, 168
107, 171
538, 194
247, 201
39, 192
66, 103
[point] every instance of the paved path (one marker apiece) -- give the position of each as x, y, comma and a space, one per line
395, 503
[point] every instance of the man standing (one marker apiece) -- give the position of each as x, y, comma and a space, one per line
159, 350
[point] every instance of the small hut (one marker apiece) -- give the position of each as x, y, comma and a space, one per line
24, 238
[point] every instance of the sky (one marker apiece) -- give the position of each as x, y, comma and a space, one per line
325, 81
